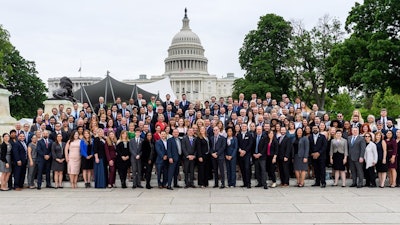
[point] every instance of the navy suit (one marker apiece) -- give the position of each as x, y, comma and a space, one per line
319, 164
20, 153
173, 153
260, 163
185, 106
161, 164
167, 117
231, 150
43, 164
218, 163
246, 144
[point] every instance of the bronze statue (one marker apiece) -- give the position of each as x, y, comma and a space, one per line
65, 90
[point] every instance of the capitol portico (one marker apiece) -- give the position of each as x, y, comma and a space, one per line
187, 68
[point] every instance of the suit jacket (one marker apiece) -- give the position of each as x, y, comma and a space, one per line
187, 148
42, 150
120, 129
304, 148
161, 151
284, 148
172, 149
246, 143
202, 147
19, 152
320, 146
220, 146
166, 116
134, 148
232, 148
97, 108
341, 147
164, 104
357, 149
261, 148
48, 127
184, 107
53, 136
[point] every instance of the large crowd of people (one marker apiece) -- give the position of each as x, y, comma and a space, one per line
198, 142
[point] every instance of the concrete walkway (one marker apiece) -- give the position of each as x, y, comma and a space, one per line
290, 205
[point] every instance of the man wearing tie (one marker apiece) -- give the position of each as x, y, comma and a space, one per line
245, 142
217, 148
184, 104
122, 127
75, 111
135, 148
43, 159
318, 146
174, 150
284, 154
189, 154
161, 160
168, 114
101, 105
20, 154
259, 155
356, 154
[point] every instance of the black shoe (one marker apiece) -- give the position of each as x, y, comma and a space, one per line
315, 185
39, 188
215, 186
323, 185
353, 185
248, 186
49, 186
359, 186
265, 187
134, 186
222, 187
258, 185
177, 186
140, 186
192, 186
148, 187
170, 188
187, 186
243, 186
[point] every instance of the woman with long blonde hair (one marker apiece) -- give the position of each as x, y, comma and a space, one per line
110, 149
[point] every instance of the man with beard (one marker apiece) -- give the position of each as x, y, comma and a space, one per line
318, 145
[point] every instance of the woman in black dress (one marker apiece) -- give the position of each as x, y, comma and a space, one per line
381, 165
57, 152
100, 166
87, 157
148, 157
204, 165
123, 154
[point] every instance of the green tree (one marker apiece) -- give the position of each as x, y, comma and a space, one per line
263, 56
309, 63
341, 103
369, 60
19, 76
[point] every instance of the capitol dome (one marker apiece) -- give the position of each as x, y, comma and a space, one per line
186, 54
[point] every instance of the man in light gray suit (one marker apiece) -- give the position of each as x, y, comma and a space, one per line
135, 147
356, 157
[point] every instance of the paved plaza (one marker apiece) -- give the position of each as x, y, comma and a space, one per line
290, 205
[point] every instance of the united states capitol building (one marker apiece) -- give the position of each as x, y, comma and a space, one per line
186, 67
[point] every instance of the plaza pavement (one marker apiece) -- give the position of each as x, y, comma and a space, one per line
290, 205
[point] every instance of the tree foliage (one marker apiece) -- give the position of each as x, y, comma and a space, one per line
19, 76
369, 60
264, 55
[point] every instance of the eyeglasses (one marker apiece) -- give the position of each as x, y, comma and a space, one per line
368, 136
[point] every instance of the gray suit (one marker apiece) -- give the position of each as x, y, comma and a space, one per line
188, 149
136, 150
356, 151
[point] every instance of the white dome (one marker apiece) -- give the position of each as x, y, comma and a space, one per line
186, 36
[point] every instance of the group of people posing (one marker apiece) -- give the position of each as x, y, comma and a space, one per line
210, 138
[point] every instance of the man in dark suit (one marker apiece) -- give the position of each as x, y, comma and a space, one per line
168, 114
284, 155
138, 101
43, 159
384, 118
259, 156
122, 127
135, 148
174, 150
245, 142
189, 154
20, 156
161, 160
28, 134
318, 146
184, 104
57, 131
51, 125
217, 149
356, 157
167, 102
100, 105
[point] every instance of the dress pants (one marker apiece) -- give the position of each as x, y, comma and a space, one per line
231, 171
284, 171
162, 170
43, 166
370, 176
122, 167
260, 165
244, 164
203, 171
271, 168
19, 175
357, 172
112, 173
172, 172
32, 171
189, 172
149, 169
320, 170
136, 171
218, 164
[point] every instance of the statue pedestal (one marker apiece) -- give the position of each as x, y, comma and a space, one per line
7, 122
54, 103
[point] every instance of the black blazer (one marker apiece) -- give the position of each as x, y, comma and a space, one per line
188, 149
246, 143
320, 146
148, 151
220, 146
284, 148
19, 153
99, 148
202, 147
3, 153
261, 149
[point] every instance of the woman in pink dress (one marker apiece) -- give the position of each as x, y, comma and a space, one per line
73, 158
